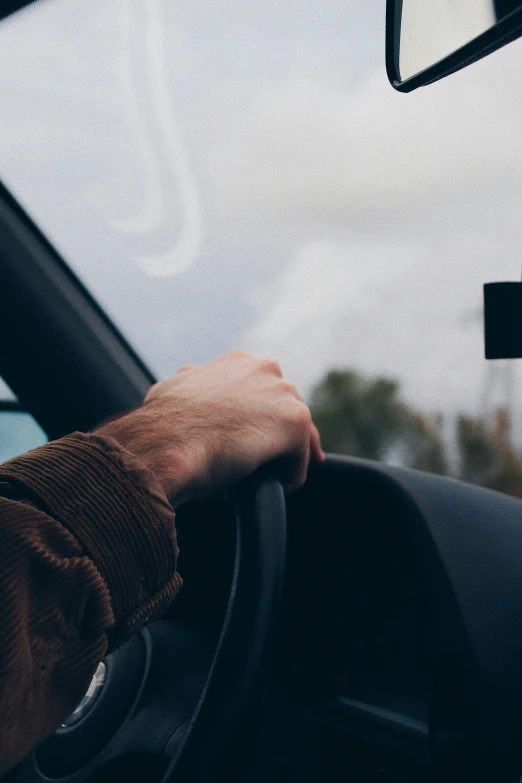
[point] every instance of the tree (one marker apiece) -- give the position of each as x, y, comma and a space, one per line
366, 417
430, 454
488, 456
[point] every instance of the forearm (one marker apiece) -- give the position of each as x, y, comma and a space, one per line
85, 560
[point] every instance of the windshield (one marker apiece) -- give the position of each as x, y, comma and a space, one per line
241, 174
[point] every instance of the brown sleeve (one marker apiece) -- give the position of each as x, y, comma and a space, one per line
87, 557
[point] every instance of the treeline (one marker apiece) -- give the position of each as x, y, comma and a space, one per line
367, 417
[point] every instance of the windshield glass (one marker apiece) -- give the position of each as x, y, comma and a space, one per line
241, 174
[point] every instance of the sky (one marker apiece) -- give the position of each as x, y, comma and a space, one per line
239, 174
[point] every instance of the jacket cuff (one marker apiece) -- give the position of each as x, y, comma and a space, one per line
117, 511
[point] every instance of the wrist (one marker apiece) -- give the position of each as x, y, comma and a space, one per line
168, 457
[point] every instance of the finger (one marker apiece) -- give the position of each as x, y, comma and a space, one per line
294, 468
316, 450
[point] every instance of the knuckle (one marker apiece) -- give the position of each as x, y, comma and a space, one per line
188, 367
289, 387
303, 416
299, 416
237, 353
270, 365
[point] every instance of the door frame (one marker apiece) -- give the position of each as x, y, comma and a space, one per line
61, 355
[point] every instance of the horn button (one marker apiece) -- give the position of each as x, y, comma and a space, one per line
140, 699
89, 700
102, 710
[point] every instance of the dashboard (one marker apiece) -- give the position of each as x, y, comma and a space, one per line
398, 651
352, 671
358, 618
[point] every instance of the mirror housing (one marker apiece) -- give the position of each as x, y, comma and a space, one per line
9, 7
454, 56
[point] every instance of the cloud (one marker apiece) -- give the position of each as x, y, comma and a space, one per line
381, 308
322, 280
397, 208
314, 154
299, 314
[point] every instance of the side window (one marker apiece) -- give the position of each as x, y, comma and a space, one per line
18, 430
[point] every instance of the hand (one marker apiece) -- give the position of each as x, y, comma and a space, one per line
209, 426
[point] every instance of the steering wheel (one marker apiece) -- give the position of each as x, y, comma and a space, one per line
165, 706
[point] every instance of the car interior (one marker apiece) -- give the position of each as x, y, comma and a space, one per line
368, 628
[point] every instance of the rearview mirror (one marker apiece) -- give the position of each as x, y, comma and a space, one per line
429, 39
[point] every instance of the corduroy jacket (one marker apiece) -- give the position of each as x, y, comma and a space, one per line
87, 557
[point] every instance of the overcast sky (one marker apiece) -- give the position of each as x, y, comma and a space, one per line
238, 173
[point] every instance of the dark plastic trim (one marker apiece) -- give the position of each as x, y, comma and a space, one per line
247, 637
11, 406
10, 7
467, 540
402, 734
60, 354
505, 31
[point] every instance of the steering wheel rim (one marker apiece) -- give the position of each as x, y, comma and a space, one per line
194, 747
250, 623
